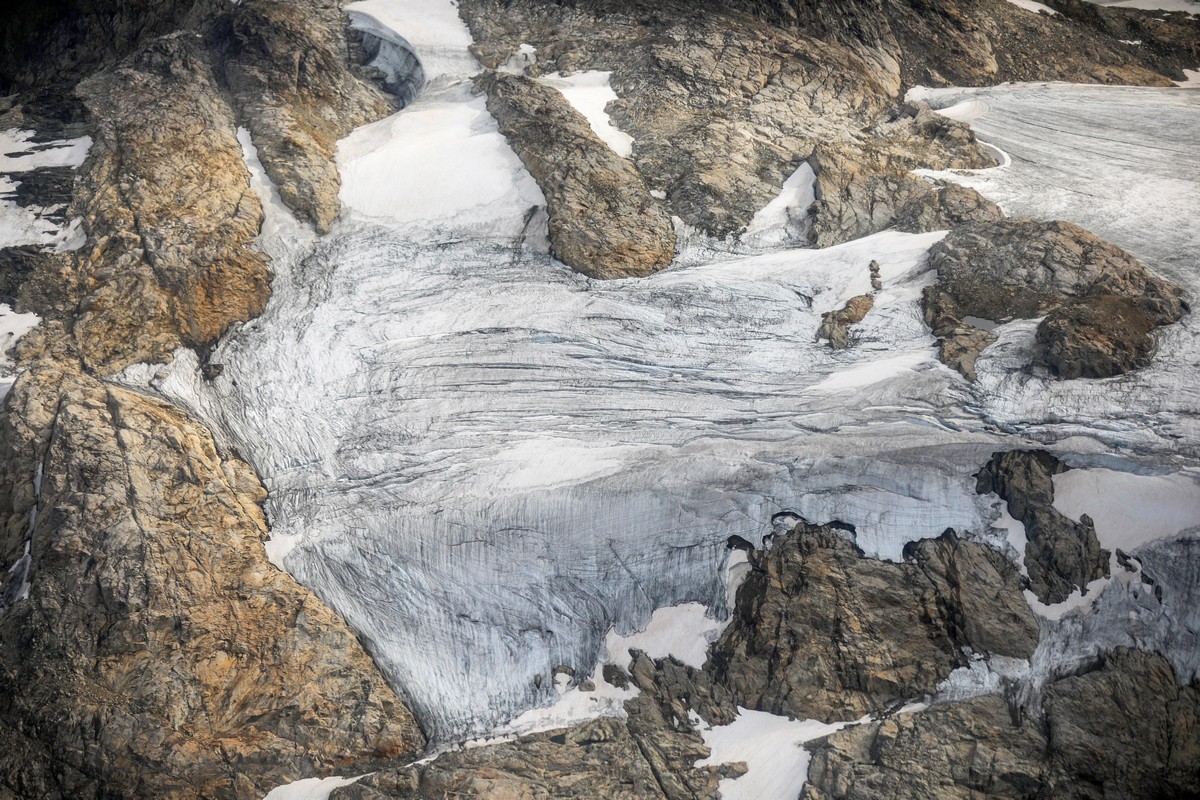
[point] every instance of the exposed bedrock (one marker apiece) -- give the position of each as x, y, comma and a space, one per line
1120, 728
1021, 268
1061, 555
650, 754
723, 108
835, 325
970, 42
603, 220
168, 212
821, 631
150, 650
287, 67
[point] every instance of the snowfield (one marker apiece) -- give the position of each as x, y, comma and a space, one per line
491, 465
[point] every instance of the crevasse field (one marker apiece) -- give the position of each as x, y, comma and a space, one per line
491, 465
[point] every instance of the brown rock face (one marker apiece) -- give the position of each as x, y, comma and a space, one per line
1102, 303
1123, 729
724, 108
1060, 555
968, 42
946, 206
650, 755
1096, 337
821, 631
835, 325
169, 214
603, 220
962, 750
287, 67
158, 654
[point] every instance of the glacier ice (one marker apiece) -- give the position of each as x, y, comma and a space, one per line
486, 462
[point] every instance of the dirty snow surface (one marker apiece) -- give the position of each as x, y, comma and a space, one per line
487, 462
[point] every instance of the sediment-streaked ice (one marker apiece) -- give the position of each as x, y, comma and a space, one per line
486, 462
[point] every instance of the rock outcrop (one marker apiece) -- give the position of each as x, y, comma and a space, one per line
1124, 728
1021, 268
835, 325
152, 651
649, 755
147, 646
287, 68
1061, 555
945, 206
968, 42
822, 631
603, 220
169, 215
724, 108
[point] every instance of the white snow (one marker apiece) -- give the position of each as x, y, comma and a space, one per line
589, 93
982, 676
1191, 79
309, 788
1035, 7
30, 225
1186, 6
1129, 510
772, 749
485, 462
1076, 600
786, 218
12, 327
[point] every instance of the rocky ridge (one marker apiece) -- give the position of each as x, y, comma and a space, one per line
603, 220
148, 646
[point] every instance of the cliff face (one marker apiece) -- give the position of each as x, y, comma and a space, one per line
148, 646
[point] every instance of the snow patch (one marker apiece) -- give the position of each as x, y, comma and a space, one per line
309, 788
589, 93
1129, 510
1034, 6
772, 749
786, 218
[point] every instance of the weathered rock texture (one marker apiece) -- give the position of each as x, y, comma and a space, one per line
1061, 555
287, 68
650, 755
147, 646
947, 206
724, 108
968, 42
158, 654
603, 220
821, 631
835, 325
1013, 268
169, 215
1122, 729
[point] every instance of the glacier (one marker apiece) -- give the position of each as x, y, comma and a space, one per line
490, 465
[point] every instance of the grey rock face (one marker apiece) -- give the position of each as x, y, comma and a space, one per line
946, 206
1123, 728
970, 42
649, 755
603, 220
820, 631
1102, 302
724, 108
1060, 555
